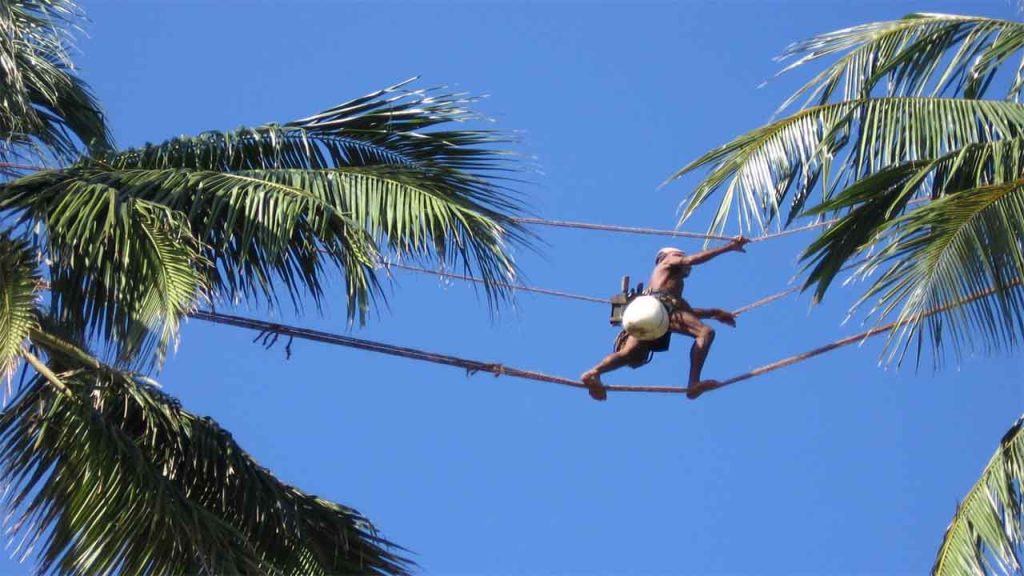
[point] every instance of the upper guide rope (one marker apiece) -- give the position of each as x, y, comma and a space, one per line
663, 232
678, 233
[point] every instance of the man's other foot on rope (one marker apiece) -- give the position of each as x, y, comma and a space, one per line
594, 387
693, 391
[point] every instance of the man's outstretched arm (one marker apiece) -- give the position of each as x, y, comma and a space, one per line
734, 245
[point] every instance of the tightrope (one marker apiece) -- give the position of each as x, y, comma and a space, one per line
474, 366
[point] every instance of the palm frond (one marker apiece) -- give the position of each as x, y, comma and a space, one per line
121, 269
871, 202
254, 230
398, 165
864, 209
46, 108
389, 126
920, 54
109, 475
758, 170
19, 277
939, 254
985, 536
285, 205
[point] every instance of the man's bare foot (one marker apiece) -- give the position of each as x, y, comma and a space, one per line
693, 391
594, 387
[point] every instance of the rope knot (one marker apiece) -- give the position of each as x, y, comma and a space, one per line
494, 368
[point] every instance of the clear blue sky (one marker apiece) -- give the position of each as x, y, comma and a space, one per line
834, 466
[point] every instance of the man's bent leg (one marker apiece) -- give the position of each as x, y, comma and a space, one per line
630, 351
685, 322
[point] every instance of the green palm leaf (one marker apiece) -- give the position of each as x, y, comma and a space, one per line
389, 126
398, 175
937, 255
19, 280
45, 107
920, 54
109, 475
259, 232
121, 268
947, 250
758, 170
985, 534
283, 208
863, 207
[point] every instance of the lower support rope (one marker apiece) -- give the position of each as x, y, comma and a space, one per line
474, 366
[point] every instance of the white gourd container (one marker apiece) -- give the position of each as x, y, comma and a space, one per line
645, 318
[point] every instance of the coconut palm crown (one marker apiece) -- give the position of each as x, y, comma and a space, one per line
911, 140
896, 139
104, 255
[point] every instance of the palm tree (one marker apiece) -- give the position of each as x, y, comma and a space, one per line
924, 178
103, 256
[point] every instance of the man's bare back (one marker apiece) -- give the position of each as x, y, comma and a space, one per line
671, 268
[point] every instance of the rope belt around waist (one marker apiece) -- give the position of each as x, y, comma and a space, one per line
670, 301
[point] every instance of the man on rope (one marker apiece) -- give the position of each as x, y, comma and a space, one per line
671, 267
